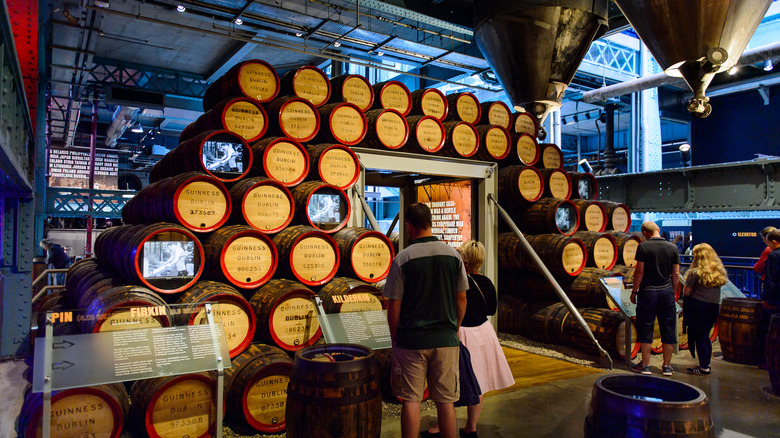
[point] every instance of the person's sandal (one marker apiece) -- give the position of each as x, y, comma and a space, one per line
699, 371
464, 434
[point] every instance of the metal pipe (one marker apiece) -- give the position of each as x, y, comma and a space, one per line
393, 224
369, 213
561, 294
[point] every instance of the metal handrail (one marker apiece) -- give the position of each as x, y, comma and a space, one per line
561, 294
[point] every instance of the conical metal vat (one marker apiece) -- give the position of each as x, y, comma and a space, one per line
695, 39
536, 46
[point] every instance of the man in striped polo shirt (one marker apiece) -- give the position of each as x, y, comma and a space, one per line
426, 289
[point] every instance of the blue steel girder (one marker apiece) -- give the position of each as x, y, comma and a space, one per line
108, 71
622, 61
742, 186
63, 202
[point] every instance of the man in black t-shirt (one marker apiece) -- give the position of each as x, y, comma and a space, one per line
656, 277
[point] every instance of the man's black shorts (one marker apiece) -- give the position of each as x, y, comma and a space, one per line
652, 303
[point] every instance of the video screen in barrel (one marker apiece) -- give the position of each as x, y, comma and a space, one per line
585, 188
566, 218
327, 209
169, 260
224, 155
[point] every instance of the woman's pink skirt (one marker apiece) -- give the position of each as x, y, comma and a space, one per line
487, 358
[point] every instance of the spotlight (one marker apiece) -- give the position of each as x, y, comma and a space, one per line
238, 21
587, 116
181, 8
563, 121
576, 119
733, 70
380, 53
158, 130
151, 133
337, 44
137, 128
768, 66
585, 166
685, 154
299, 34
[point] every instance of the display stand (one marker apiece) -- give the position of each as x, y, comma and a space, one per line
114, 356
368, 328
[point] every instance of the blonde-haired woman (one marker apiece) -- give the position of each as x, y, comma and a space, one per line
702, 302
479, 336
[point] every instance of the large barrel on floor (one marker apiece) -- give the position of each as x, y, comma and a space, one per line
593, 215
519, 186
174, 406
256, 390
354, 89
429, 102
551, 157
546, 324
365, 254
344, 294
608, 327
85, 279
773, 353
738, 325
255, 79
285, 315
495, 113
125, 308
78, 412
334, 164
292, 117
515, 313
242, 115
240, 255
526, 123
387, 129
341, 123
229, 308
524, 150
557, 183
618, 216
551, 215
627, 246
393, 95
583, 290
222, 154
426, 135
602, 249
281, 159
262, 203
307, 255
193, 200
495, 143
464, 106
334, 391
321, 205
166, 258
584, 186
308, 83
562, 255
646, 406
461, 140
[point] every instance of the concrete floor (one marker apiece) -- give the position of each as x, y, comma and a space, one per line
739, 404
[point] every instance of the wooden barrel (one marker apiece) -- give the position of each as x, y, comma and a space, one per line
627, 245
647, 406
256, 389
393, 95
495, 113
240, 255
125, 308
365, 254
618, 216
77, 412
341, 123
293, 117
321, 205
307, 82
524, 150
229, 308
602, 249
306, 254
608, 327
464, 106
85, 279
546, 324
593, 215
461, 140
557, 183
354, 89
285, 315
430, 102
526, 123
194, 200
584, 290
344, 294
584, 186
519, 186
513, 313
550, 215
426, 134
255, 79
174, 406
241, 115
738, 325
627, 272
387, 129
221, 154
262, 203
164, 257
552, 157
494, 143
281, 159
334, 391
773, 353
334, 164
564, 256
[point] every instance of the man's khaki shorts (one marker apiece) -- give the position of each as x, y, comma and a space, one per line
438, 365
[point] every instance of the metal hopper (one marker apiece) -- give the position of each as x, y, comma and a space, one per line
695, 39
535, 46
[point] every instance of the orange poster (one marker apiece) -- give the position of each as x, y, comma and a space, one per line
450, 205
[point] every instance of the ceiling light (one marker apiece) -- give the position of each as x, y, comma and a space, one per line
299, 34
768, 66
238, 21
181, 8
337, 44
380, 53
685, 147
137, 128
733, 70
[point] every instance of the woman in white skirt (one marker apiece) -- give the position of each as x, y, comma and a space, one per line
479, 337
